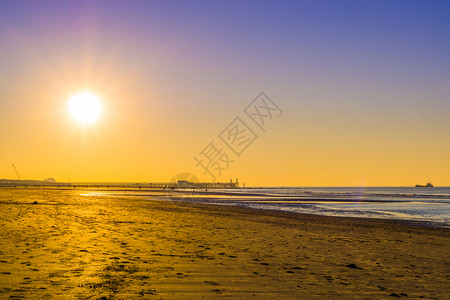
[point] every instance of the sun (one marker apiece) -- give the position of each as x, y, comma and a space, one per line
85, 107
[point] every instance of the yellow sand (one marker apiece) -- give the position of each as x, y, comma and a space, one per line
75, 246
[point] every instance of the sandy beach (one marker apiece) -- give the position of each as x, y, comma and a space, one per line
74, 246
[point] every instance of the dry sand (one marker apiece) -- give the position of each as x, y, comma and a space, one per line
71, 246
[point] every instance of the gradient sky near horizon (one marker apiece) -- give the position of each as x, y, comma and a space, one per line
364, 86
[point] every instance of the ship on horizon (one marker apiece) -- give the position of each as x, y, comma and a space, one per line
428, 185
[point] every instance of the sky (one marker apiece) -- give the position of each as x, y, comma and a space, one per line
356, 93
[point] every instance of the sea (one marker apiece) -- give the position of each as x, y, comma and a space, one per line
428, 205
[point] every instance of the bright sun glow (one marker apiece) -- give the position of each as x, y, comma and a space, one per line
85, 107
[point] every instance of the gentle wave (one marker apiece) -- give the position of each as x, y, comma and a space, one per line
429, 205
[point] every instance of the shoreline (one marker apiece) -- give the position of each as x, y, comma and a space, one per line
310, 216
428, 224
172, 196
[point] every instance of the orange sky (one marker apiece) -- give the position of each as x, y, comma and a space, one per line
364, 109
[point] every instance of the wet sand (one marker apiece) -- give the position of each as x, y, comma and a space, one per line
74, 246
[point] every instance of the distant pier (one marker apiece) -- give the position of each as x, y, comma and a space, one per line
134, 185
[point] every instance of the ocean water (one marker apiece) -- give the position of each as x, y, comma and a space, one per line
430, 205
402, 203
